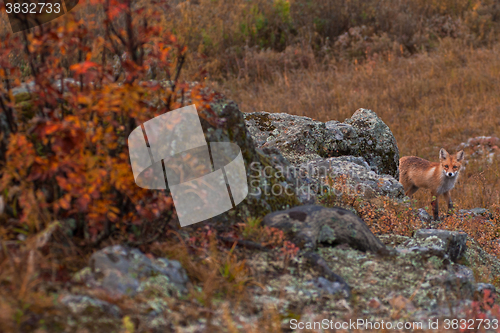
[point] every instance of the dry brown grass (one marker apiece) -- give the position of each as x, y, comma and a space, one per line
429, 101
225, 33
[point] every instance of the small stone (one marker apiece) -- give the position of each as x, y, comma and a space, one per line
424, 216
486, 290
327, 286
85, 305
480, 211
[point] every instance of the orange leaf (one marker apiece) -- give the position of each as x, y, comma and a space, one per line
83, 67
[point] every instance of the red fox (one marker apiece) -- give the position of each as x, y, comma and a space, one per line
415, 173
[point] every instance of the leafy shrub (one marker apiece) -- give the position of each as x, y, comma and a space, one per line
67, 158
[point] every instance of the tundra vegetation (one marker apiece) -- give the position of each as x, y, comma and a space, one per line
428, 68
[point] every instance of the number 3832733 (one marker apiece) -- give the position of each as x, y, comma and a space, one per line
27, 14
32, 8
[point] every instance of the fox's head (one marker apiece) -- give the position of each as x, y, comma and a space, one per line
451, 163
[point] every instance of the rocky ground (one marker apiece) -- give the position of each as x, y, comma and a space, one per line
429, 276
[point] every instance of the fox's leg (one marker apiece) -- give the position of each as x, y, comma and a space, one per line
435, 206
447, 197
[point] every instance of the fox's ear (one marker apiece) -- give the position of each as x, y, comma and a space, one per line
460, 156
443, 154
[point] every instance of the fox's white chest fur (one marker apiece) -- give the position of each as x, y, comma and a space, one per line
447, 183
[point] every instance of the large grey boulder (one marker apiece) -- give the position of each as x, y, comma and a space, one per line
224, 122
302, 139
310, 225
299, 139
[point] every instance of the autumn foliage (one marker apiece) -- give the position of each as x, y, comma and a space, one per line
64, 143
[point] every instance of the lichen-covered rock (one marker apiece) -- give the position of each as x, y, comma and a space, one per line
424, 216
460, 273
93, 314
453, 243
416, 287
125, 271
335, 282
85, 305
486, 288
313, 178
475, 212
302, 139
375, 142
436, 250
311, 225
299, 139
481, 261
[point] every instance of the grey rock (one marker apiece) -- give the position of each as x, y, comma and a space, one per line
480, 211
121, 259
476, 212
424, 251
309, 225
124, 271
481, 291
486, 286
454, 243
424, 216
119, 283
375, 141
461, 273
27, 87
457, 279
173, 269
299, 139
224, 122
319, 264
313, 178
302, 139
88, 314
461, 279
482, 260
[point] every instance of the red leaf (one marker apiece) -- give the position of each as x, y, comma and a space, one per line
83, 67
83, 202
